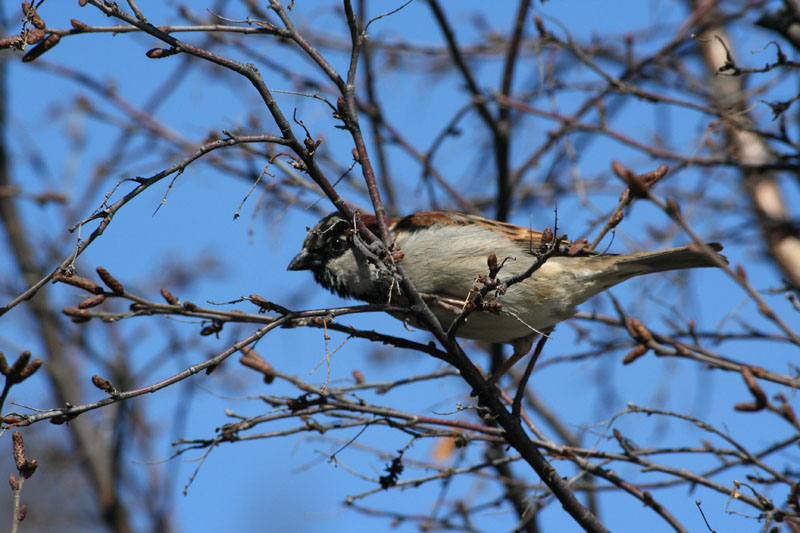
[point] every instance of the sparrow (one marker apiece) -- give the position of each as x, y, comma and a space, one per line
446, 256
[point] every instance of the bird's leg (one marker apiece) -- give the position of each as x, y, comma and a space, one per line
522, 347
516, 405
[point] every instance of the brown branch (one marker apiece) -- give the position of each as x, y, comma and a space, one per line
107, 213
376, 118
65, 414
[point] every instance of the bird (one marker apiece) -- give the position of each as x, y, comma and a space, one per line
446, 255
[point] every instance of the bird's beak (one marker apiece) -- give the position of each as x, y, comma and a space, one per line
304, 261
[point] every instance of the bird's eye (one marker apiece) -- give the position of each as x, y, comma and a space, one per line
338, 244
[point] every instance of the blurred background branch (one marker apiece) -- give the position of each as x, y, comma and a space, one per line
186, 147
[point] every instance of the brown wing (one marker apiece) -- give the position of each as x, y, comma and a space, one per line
529, 239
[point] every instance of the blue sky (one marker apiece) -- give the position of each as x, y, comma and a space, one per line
287, 484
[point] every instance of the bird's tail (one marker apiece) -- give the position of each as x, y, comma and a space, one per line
668, 259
